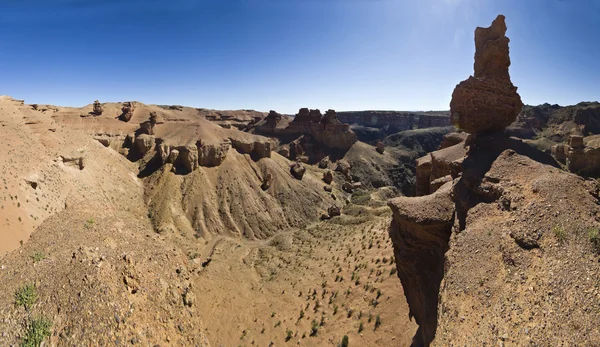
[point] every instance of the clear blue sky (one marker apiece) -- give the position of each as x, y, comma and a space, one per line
287, 54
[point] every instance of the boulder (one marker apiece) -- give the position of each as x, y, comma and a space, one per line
297, 170
576, 141
487, 101
380, 147
328, 188
284, 151
328, 177
324, 163
334, 211
348, 187
343, 166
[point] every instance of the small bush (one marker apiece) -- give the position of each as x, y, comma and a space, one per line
289, 335
360, 327
594, 236
559, 233
38, 329
25, 296
38, 256
377, 322
344, 342
314, 328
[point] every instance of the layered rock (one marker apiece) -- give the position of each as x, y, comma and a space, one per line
420, 231
487, 101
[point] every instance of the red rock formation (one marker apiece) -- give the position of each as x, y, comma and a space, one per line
487, 101
327, 129
97, 108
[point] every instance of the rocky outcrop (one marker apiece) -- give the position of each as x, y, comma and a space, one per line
257, 149
487, 101
557, 122
143, 144
190, 157
580, 159
423, 174
97, 108
420, 230
272, 119
438, 164
452, 139
127, 111
147, 127
324, 129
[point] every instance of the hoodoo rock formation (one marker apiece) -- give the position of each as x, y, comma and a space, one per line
483, 105
127, 110
487, 101
97, 108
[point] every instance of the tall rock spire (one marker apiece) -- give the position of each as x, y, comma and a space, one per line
487, 101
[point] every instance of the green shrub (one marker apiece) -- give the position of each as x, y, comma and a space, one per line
38, 256
594, 236
25, 296
559, 233
314, 328
344, 341
377, 322
37, 330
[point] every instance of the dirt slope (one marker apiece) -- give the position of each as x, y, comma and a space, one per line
525, 269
